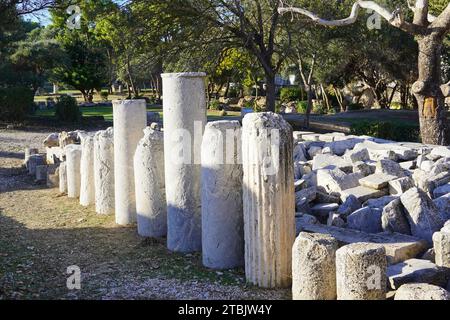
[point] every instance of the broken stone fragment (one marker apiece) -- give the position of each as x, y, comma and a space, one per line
52, 140
350, 205
335, 220
377, 181
389, 167
363, 193
422, 214
328, 161
335, 180
443, 206
416, 271
441, 244
366, 220
323, 209
363, 168
357, 155
441, 151
421, 291
441, 191
399, 186
380, 203
302, 220
393, 218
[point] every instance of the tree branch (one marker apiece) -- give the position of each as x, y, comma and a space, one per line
442, 23
395, 18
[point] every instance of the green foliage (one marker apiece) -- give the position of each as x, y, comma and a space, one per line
302, 106
67, 109
400, 132
15, 103
214, 104
290, 94
104, 95
319, 108
355, 107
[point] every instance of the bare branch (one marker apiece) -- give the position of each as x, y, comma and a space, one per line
442, 23
431, 18
395, 18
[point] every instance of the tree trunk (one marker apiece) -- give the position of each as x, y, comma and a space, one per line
428, 93
309, 107
270, 93
227, 89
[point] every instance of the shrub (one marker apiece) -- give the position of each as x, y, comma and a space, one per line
302, 106
290, 94
214, 104
67, 109
401, 132
355, 107
104, 95
319, 109
233, 93
15, 103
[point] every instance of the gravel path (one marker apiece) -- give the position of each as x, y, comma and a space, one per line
42, 233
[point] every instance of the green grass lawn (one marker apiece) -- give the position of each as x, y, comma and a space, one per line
107, 112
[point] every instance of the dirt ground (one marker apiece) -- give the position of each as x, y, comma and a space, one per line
42, 233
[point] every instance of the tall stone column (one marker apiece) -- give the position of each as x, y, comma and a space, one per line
73, 165
314, 267
63, 177
222, 215
269, 199
361, 272
184, 120
104, 171
87, 191
151, 204
130, 119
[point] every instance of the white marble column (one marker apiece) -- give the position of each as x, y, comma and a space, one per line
87, 190
104, 171
130, 118
269, 199
151, 204
222, 215
184, 121
73, 165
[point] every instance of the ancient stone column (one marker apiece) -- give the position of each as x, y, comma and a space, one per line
28, 153
130, 119
361, 272
87, 191
269, 199
104, 171
184, 121
34, 161
441, 241
151, 204
73, 165
222, 215
63, 177
314, 267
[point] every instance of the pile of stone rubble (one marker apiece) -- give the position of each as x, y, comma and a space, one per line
359, 189
371, 216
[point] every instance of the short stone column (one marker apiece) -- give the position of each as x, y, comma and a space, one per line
29, 152
269, 199
151, 204
441, 242
73, 165
361, 272
34, 161
222, 215
184, 121
130, 119
87, 191
63, 177
104, 171
314, 267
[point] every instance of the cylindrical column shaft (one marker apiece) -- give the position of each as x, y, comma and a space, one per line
104, 171
184, 120
63, 177
73, 165
269, 199
130, 119
222, 215
314, 267
151, 204
361, 272
87, 191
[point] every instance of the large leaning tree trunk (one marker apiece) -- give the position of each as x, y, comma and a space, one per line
429, 32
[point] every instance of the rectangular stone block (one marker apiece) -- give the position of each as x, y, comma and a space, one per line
377, 181
363, 193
